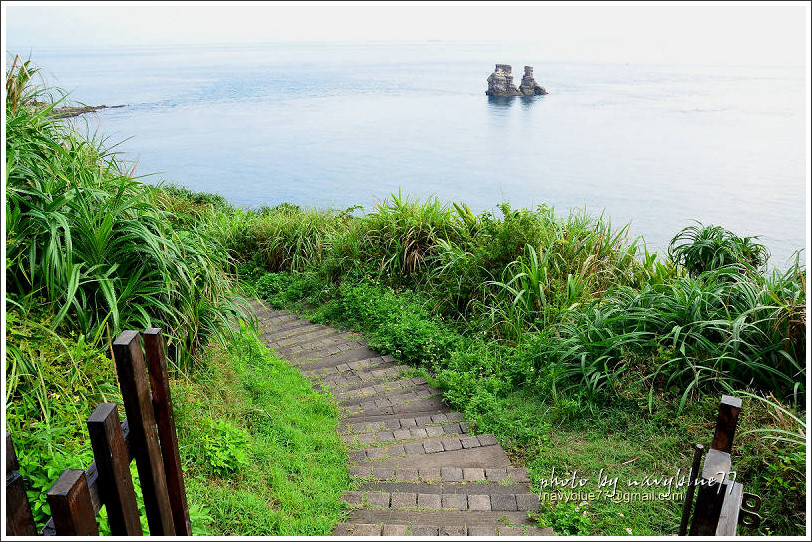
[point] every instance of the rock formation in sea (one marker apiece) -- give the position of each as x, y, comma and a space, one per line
529, 87
500, 82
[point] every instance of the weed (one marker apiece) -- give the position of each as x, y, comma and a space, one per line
566, 519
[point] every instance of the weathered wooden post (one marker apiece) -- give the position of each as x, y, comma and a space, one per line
719, 501
165, 414
71, 506
689, 493
116, 489
144, 437
19, 520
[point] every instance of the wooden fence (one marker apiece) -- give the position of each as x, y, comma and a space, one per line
721, 503
147, 435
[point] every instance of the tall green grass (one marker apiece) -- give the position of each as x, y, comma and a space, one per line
594, 303
720, 329
93, 242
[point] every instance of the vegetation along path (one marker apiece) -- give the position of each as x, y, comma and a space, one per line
421, 469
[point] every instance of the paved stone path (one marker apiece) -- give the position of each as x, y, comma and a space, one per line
422, 471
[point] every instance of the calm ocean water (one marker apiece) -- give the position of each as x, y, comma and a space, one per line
348, 124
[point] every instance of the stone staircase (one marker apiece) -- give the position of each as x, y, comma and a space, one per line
421, 470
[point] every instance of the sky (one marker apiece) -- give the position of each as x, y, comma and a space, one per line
707, 33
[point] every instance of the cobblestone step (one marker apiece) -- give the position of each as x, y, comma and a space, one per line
277, 318
381, 388
426, 420
393, 397
393, 529
310, 347
430, 445
268, 315
295, 332
420, 406
490, 456
356, 353
375, 374
407, 500
502, 475
377, 437
280, 329
300, 354
459, 522
473, 485
346, 374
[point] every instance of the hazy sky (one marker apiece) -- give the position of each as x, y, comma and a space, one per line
769, 34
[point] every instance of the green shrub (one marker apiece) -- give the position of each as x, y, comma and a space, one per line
53, 383
717, 329
702, 248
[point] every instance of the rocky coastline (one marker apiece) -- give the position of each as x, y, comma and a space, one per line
76, 110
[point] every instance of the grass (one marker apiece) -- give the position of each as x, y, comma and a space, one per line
293, 465
592, 302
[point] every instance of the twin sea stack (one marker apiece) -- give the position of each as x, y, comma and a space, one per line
500, 83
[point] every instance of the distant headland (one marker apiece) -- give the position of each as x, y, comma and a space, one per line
76, 110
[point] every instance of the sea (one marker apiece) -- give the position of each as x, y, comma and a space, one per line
657, 147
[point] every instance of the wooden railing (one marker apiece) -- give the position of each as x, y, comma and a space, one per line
147, 435
721, 503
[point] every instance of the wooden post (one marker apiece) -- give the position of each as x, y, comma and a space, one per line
143, 436
11, 455
113, 464
715, 499
19, 519
726, 423
165, 416
729, 516
71, 506
689, 492
711, 493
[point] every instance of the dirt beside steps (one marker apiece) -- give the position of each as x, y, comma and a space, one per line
421, 470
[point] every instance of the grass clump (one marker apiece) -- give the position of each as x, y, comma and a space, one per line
699, 248
721, 328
